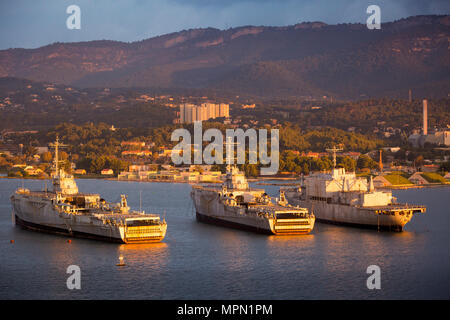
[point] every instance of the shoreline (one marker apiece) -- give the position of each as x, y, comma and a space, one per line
418, 186
159, 181
258, 181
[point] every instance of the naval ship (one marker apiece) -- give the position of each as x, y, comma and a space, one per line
339, 197
234, 204
66, 211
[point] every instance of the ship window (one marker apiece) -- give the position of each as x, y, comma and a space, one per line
138, 223
319, 198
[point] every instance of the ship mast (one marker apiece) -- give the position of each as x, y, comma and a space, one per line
334, 150
57, 145
63, 183
56, 154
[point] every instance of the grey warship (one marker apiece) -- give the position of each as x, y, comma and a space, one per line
66, 211
234, 204
339, 197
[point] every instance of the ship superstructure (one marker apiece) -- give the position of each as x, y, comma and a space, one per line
64, 210
235, 204
340, 197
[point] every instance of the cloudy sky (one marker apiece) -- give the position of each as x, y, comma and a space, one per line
35, 23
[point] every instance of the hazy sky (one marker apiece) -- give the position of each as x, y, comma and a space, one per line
34, 23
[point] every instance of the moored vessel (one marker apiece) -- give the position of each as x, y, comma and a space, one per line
234, 204
64, 210
339, 197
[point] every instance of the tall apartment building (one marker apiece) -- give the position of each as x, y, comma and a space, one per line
224, 110
190, 112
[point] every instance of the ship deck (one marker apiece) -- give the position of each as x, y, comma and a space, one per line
121, 216
276, 208
51, 194
397, 207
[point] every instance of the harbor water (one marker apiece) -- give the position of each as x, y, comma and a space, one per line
199, 261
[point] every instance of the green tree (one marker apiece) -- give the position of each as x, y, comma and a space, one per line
445, 166
97, 164
46, 157
29, 150
365, 161
346, 162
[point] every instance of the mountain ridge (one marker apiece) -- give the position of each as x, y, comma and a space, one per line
305, 59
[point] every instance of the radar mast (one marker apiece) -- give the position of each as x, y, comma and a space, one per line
333, 151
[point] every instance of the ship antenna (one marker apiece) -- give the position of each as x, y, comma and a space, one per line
57, 145
56, 154
229, 156
334, 150
229, 159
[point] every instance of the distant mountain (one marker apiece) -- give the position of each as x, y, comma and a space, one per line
307, 59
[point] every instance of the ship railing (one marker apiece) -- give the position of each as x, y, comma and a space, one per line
396, 206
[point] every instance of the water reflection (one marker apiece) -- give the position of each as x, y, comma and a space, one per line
278, 242
152, 255
198, 261
234, 248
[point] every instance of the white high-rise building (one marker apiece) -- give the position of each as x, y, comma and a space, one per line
182, 118
190, 112
217, 110
195, 114
210, 110
224, 110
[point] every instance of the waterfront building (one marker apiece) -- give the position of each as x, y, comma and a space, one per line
381, 182
417, 178
107, 172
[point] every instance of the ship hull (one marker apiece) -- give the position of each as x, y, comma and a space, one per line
63, 232
230, 224
397, 228
345, 215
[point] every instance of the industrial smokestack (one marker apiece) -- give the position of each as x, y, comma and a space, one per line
425, 117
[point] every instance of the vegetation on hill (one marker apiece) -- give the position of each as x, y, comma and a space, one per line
98, 146
366, 115
292, 137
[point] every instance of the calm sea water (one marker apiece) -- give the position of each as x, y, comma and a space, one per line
198, 261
